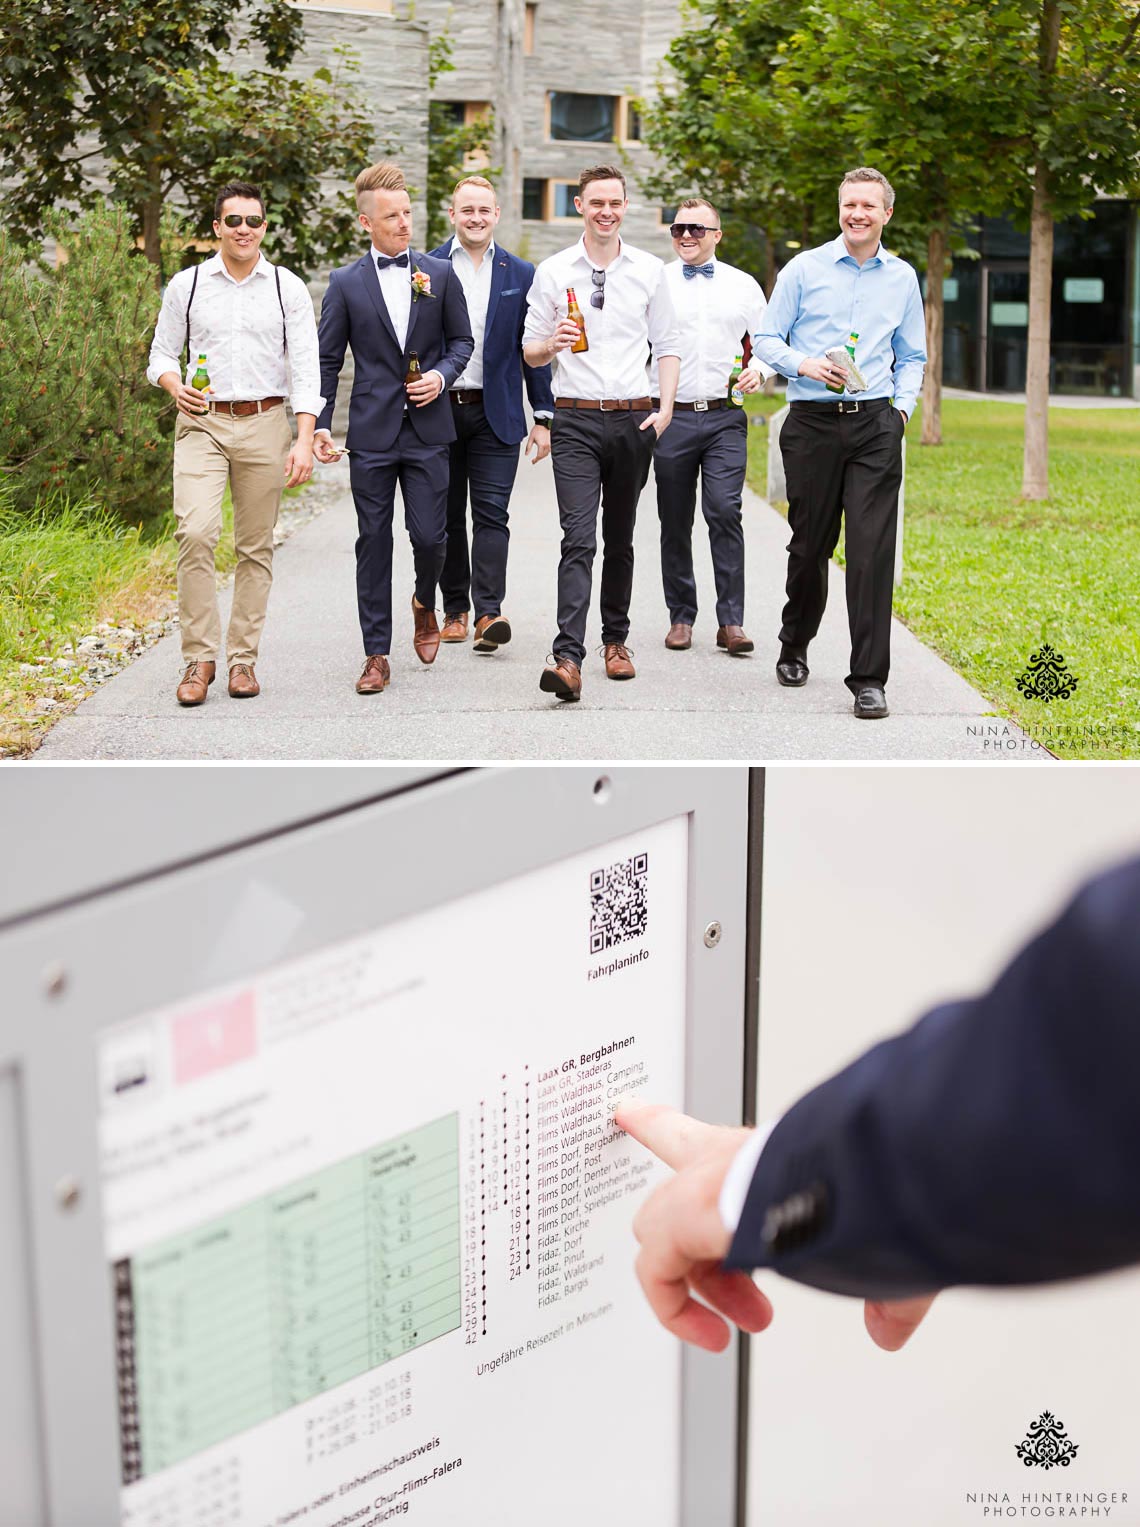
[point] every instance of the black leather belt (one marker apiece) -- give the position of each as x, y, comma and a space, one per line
702, 405
466, 394
843, 405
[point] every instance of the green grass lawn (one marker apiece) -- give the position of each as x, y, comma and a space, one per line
988, 578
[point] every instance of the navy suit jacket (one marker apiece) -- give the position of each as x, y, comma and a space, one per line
439, 331
504, 369
996, 1142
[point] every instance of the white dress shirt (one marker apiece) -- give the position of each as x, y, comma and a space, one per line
742, 1169
237, 326
713, 314
396, 289
638, 313
476, 286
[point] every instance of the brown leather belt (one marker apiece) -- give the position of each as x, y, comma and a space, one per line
243, 410
466, 394
607, 405
700, 406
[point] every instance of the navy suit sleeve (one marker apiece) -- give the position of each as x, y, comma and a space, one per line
332, 340
458, 341
537, 378
996, 1142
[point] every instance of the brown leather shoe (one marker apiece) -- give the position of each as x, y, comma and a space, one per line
491, 633
243, 682
680, 637
563, 680
618, 665
425, 639
454, 628
195, 682
734, 640
374, 677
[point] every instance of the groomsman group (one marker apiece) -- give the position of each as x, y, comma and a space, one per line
477, 323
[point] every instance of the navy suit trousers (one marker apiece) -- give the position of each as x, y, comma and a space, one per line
715, 444
421, 471
596, 456
479, 461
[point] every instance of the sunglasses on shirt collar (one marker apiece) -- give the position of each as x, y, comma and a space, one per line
236, 219
696, 230
598, 295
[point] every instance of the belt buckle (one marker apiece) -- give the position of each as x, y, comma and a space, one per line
701, 406
615, 409
848, 406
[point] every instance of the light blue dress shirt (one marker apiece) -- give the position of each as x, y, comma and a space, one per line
824, 295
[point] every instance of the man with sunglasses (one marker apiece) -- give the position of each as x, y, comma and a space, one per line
717, 305
244, 315
605, 424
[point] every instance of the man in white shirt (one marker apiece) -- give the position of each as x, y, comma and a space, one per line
487, 410
245, 315
605, 423
717, 305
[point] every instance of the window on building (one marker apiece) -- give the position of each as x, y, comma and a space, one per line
667, 216
562, 201
534, 201
632, 125
530, 21
455, 111
583, 118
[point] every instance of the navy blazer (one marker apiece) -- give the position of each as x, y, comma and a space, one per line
996, 1142
354, 313
503, 366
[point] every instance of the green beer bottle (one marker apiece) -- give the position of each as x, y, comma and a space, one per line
201, 377
735, 396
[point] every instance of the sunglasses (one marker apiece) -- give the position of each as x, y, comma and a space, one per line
696, 230
598, 295
235, 220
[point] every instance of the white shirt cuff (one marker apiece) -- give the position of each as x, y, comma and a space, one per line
738, 1178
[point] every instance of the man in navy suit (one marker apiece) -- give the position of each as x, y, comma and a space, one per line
388, 305
997, 1142
487, 407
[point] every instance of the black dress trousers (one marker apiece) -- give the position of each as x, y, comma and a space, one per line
481, 463
843, 463
715, 444
602, 456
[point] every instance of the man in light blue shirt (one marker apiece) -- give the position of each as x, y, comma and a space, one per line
843, 454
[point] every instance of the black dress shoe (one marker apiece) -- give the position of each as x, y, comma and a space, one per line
871, 703
792, 672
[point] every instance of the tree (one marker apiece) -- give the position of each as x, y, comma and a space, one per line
144, 97
450, 141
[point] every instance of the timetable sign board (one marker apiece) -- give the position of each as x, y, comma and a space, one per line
368, 1219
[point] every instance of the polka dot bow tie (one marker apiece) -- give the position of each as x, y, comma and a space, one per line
698, 270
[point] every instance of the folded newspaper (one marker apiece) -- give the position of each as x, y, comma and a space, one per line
856, 381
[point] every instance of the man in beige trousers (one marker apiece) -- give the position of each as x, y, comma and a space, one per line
246, 316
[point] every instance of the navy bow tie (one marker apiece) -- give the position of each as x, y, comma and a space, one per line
383, 261
698, 270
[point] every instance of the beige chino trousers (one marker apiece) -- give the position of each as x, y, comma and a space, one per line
250, 454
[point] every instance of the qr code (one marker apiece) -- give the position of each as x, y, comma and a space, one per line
619, 909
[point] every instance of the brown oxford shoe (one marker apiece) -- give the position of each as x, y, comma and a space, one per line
374, 677
491, 633
680, 637
425, 638
195, 682
454, 627
618, 665
734, 640
243, 682
563, 680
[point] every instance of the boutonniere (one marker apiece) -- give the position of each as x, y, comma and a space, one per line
421, 285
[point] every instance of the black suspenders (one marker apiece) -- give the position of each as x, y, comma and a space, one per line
280, 303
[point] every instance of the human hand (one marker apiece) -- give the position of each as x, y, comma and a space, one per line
425, 389
660, 421
539, 438
682, 1236
820, 369
683, 1239
190, 401
299, 464
566, 333
324, 449
750, 380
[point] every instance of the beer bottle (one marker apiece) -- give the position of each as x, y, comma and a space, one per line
413, 373
850, 348
201, 377
735, 396
574, 313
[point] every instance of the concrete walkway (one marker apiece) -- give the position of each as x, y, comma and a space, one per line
695, 705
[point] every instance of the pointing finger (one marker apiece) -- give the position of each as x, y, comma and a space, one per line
672, 1136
